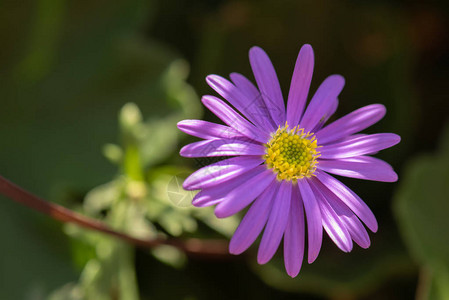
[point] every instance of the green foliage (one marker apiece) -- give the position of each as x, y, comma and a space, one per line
139, 200
67, 67
421, 206
77, 68
63, 77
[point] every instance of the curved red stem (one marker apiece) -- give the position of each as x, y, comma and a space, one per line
193, 247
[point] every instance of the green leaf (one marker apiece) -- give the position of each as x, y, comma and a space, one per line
113, 153
170, 256
224, 226
421, 206
102, 197
69, 291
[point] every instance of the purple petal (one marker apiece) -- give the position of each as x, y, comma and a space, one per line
349, 219
314, 223
233, 119
300, 84
234, 96
351, 123
222, 147
208, 130
294, 235
254, 98
240, 197
349, 198
205, 199
253, 222
268, 84
360, 146
214, 195
354, 137
350, 138
221, 171
334, 227
322, 101
246, 86
362, 167
244, 101
276, 224
332, 108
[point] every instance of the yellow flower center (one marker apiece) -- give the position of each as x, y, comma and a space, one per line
292, 154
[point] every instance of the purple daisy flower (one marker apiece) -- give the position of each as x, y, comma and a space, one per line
281, 159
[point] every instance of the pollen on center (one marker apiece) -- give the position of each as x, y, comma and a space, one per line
291, 153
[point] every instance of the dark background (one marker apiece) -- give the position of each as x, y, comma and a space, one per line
67, 67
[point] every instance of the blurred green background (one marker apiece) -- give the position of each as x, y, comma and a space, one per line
67, 69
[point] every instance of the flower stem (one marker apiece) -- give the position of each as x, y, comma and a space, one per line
193, 247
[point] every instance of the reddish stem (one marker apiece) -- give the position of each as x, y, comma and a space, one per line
193, 247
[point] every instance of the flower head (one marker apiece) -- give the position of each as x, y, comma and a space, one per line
292, 154
281, 159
